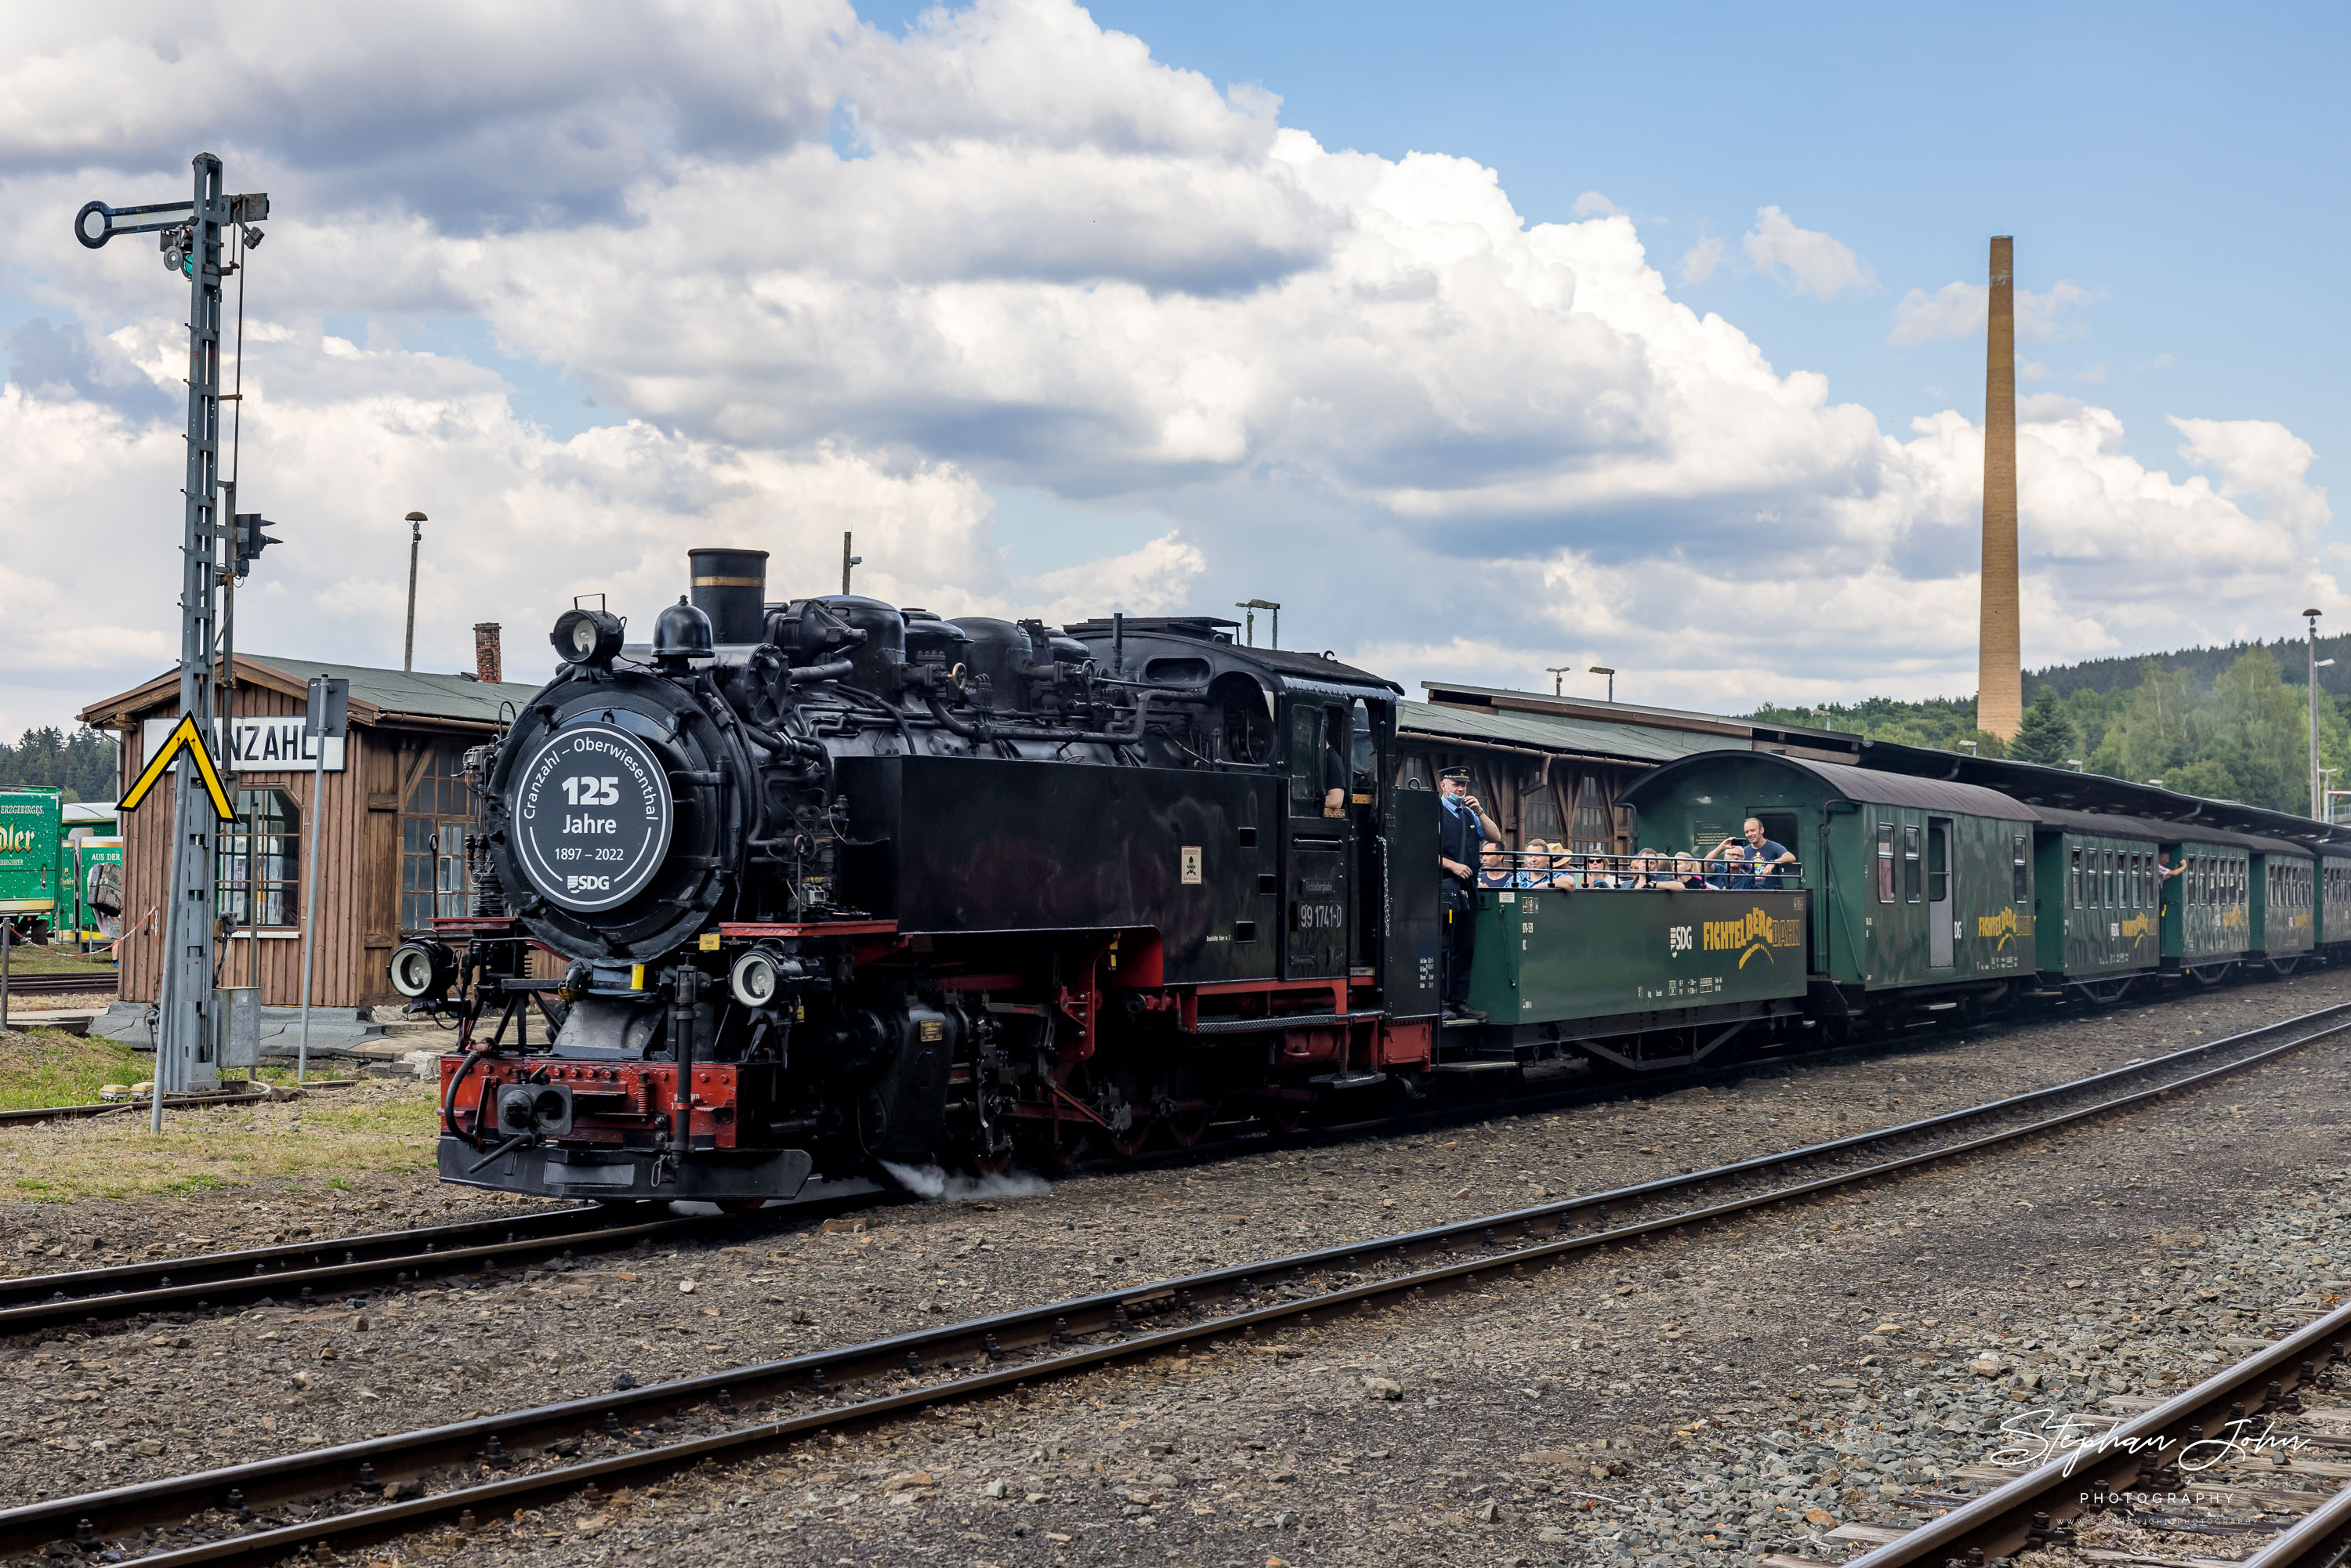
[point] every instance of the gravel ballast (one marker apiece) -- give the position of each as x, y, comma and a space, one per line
1622, 1407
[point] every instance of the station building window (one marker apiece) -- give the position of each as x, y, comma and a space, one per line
434, 877
257, 860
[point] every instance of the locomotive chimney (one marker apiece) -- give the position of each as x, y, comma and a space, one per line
730, 586
487, 665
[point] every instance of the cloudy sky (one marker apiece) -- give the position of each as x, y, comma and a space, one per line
1644, 337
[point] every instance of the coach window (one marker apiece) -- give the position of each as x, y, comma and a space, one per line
1913, 882
1884, 863
2016, 872
2077, 878
258, 857
2138, 879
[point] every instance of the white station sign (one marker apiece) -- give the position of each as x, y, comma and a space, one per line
274, 744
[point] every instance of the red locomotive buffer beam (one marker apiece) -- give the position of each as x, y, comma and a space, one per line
598, 1104
603, 1130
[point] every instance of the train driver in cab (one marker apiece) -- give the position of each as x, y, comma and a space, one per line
1463, 829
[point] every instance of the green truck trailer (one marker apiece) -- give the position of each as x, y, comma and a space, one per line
32, 867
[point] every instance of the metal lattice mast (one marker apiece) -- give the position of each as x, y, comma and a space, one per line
185, 1020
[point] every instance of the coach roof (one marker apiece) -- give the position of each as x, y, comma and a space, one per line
1863, 785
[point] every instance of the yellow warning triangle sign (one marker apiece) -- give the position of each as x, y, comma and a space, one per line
184, 736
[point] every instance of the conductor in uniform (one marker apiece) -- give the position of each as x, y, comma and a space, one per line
1463, 828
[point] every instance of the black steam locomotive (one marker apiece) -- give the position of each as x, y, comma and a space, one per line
831, 883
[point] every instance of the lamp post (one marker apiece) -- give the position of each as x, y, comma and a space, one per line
2311, 616
1558, 673
416, 521
1604, 670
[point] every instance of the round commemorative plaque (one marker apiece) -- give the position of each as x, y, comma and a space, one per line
592, 815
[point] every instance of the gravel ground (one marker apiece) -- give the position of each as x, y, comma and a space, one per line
1474, 1440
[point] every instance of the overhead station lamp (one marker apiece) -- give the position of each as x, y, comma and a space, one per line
591, 637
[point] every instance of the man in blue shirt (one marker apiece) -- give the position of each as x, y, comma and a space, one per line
1764, 857
1463, 829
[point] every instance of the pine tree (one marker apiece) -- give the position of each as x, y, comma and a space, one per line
2045, 736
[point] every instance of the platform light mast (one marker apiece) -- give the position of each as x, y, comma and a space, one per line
191, 234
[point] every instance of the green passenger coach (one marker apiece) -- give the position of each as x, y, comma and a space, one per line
2096, 918
1923, 886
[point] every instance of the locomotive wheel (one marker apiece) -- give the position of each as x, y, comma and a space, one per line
1067, 1145
1185, 1128
1131, 1142
991, 1162
1282, 1117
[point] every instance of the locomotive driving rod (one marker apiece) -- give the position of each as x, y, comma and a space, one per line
624, 1416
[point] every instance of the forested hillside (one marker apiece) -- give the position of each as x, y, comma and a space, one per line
2232, 723
82, 766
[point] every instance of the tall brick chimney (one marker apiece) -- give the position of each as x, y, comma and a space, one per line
486, 651
2000, 676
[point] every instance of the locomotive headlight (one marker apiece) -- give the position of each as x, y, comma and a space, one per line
423, 968
587, 636
760, 974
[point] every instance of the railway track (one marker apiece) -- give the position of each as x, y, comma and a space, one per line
322, 1266
116, 1107
35, 1301
393, 1484
2173, 1451
53, 985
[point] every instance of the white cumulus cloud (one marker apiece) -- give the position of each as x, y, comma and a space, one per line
819, 276
1804, 260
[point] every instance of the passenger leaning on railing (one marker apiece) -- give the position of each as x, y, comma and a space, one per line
1494, 867
1765, 856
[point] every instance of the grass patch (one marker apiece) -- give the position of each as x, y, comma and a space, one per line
328, 1138
56, 961
44, 1067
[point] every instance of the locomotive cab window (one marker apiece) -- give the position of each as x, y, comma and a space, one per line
1320, 745
1884, 863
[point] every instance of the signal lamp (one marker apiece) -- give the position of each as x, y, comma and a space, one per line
423, 968
587, 636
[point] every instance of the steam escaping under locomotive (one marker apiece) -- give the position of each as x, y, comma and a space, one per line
833, 882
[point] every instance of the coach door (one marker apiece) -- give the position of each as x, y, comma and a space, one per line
1941, 931
1317, 913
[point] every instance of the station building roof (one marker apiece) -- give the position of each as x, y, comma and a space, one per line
378, 697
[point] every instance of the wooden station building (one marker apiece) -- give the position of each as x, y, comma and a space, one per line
392, 817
